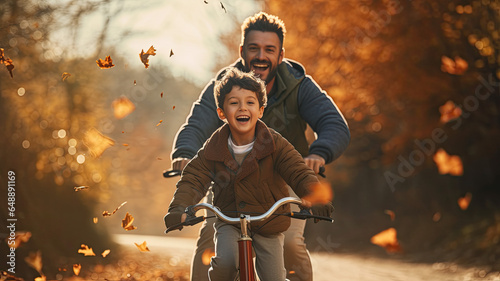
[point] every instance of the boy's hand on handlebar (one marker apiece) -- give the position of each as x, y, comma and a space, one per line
179, 163
325, 210
314, 162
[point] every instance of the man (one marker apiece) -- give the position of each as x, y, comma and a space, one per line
294, 101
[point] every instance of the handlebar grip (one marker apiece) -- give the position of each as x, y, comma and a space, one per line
171, 173
189, 221
305, 214
322, 171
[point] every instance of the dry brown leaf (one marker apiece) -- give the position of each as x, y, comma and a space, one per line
145, 56
391, 214
105, 253
448, 164
65, 75
20, 238
463, 202
207, 256
171, 52
122, 107
77, 268
222, 6
86, 251
127, 222
96, 142
161, 95
35, 261
107, 214
142, 247
173, 107
79, 188
388, 240
7, 62
106, 63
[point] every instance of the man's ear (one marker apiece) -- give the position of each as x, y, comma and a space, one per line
241, 51
282, 55
221, 114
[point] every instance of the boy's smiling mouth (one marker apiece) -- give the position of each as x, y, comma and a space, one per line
243, 118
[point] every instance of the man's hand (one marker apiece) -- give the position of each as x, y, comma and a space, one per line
314, 162
179, 163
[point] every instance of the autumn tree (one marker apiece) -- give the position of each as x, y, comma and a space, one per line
414, 79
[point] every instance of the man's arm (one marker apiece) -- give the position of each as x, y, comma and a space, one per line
199, 126
321, 113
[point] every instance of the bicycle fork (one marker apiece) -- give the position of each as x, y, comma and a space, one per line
247, 272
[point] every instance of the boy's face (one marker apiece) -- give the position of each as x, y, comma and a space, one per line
242, 111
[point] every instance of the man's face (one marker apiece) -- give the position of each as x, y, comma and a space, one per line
242, 111
262, 53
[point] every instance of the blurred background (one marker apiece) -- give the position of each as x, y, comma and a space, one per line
418, 82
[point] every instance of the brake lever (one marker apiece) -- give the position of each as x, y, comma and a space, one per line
322, 171
306, 214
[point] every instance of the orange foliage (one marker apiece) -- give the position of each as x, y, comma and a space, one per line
122, 107
127, 222
107, 214
391, 214
8, 62
65, 75
387, 239
96, 142
105, 253
142, 247
449, 111
456, 67
79, 188
463, 202
145, 56
77, 268
321, 193
85, 250
35, 261
106, 63
448, 164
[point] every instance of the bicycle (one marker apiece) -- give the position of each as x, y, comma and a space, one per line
174, 173
246, 267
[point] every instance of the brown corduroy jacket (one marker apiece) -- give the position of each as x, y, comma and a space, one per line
251, 188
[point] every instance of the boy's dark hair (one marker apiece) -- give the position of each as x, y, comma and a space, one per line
246, 80
263, 22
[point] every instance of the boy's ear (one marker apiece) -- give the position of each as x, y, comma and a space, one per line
261, 112
220, 112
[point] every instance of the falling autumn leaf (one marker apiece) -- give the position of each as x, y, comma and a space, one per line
125, 144
456, 66
96, 142
449, 111
35, 261
173, 107
463, 202
145, 56
85, 250
41, 278
135, 82
222, 6
159, 123
65, 75
127, 222
436, 217
8, 62
171, 53
77, 268
161, 95
107, 214
79, 188
122, 107
21, 237
205, 1
207, 256
142, 247
95, 219
391, 214
105, 253
448, 164
159, 158
387, 239
321, 193
106, 63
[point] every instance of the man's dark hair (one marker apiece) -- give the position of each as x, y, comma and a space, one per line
263, 22
237, 78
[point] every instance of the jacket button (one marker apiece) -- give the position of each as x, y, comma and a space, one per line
242, 204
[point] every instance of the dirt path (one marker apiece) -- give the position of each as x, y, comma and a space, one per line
336, 267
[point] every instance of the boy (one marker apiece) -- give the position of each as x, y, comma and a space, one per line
250, 166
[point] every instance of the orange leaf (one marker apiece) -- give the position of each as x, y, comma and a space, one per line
77, 268
78, 188
20, 238
463, 202
145, 56
105, 253
159, 123
436, 217
458, 66
35, 261
86, 251
321, 193
96, 142
41, 278
7, 62
106, 63
127, 222
449, 111
448, 164
173, 107
65, 75
122, 107
142, 247
387, 239
95, 219
207, 256
391, 214
161, 95
107, 214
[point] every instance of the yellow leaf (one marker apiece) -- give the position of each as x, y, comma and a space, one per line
127, 222
86, 251
106, 63
463, 202
65, 75
387, 239
96, 142
122, 107
105, 253
448, 164
145, 56
77, 268
142, 247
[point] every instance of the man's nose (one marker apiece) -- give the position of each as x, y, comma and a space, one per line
260, 54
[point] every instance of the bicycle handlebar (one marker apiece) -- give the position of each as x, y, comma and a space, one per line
192, 220
173, 173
